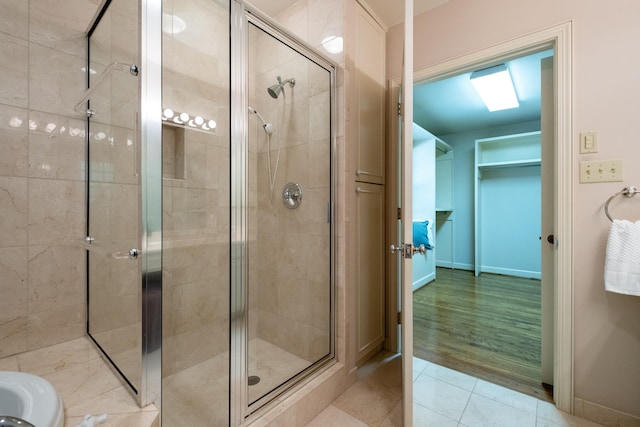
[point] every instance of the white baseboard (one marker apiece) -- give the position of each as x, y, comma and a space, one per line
496, 270
454, 265
445, 264
417, 284
603, 415
511, 272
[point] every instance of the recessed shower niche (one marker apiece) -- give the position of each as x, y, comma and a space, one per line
173, 152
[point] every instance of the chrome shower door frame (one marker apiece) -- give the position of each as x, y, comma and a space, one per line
149, 164
151, 200
241, 18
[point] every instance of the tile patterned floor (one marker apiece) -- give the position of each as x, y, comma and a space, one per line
442, 398
199, 395
85, 382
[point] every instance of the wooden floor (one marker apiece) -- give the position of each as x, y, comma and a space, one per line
486, 326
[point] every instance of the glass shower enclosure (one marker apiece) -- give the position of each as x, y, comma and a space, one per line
210, 189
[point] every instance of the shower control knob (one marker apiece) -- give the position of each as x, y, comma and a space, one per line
292, 195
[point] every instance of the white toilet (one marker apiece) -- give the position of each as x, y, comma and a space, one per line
29, 398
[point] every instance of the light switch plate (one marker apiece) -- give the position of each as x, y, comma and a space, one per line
601, 171
588, 142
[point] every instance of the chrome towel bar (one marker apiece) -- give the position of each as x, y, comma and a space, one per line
626, 191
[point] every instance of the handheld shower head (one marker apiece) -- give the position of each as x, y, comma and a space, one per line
274, 91
268, 127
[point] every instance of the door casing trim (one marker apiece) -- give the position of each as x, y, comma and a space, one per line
559, 38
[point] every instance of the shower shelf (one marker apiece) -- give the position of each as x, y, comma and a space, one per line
174, 154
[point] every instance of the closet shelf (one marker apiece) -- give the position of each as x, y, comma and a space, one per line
509, 164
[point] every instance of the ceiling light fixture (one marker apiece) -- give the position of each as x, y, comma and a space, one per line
495, 87
185, 120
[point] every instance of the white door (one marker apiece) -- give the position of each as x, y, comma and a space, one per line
547, 229
406, 187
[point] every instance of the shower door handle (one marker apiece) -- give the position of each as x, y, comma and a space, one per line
132, 254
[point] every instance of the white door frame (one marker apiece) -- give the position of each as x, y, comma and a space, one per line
558, 37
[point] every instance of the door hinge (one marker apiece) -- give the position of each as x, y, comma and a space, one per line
399, 108
399, 318
399, 213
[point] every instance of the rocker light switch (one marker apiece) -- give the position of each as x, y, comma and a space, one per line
588, 142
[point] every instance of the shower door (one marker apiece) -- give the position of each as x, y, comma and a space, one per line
114, 190
195, 212
282, 227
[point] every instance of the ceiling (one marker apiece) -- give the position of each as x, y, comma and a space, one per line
391, 14
452, 105
387, 10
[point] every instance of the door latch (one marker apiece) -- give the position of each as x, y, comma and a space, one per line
407, 249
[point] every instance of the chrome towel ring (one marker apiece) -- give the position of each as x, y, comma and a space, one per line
627, 192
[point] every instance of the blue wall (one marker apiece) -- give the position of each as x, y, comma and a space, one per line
424, 200
463, 194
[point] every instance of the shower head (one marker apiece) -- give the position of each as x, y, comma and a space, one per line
274, 91
268, 127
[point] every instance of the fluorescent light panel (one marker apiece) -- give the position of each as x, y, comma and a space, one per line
495, 87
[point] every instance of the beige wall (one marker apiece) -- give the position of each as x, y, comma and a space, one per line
42, 172
289, 249
196, 219
606, 99
311, 21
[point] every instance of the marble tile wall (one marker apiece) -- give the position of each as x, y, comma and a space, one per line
42, 172
196, 216
114, 190
196, 205
289, 250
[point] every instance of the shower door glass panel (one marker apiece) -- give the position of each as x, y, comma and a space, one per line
289, 235
196, 212
114, 279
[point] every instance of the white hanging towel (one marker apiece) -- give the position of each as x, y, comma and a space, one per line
622, 264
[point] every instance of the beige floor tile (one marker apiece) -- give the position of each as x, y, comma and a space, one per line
388, 375
441, 397
9, 364
425, 417
484, 412
508, 397
550, 416
335, 417
394, 419
368, 402
450, 376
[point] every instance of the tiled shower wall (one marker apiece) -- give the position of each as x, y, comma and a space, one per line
42, 172
289, 250
196, 202
290, 300
114, 189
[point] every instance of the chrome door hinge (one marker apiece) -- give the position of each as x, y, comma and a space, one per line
400, 108
399, 213
399, 318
